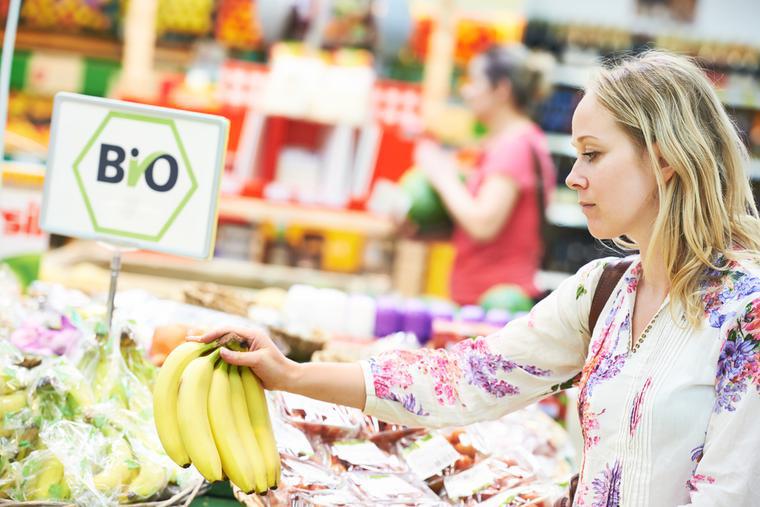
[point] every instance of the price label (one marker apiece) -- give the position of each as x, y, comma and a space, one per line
429, 455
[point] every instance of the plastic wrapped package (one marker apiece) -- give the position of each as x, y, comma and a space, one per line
46, 334
345, 455
432, 456
290, 440
529, 433
386, 435
304, 477
59, 391
344, 497
13, 375
37, 477
318, 418
112, 460
118, 371
539, 494
486, 479
392, 489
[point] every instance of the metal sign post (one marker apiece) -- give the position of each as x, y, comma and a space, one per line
9, 43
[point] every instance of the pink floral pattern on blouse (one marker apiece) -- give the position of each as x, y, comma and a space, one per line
699, 387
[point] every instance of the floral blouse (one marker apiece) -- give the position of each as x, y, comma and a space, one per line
675, 422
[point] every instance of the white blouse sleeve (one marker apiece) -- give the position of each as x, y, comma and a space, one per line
728, 467
484, 378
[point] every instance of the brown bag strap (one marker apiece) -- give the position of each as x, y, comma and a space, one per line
543, 224
611, 275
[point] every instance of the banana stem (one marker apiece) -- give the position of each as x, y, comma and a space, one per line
234, 342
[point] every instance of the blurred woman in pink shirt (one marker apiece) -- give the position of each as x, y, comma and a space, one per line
496, 211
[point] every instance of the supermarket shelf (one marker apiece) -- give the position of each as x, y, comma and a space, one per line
22, 173
92, 261
96, 47
754, 169
559, 144
91, 46
258, 210
573, 76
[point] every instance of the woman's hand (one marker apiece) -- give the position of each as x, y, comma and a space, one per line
439, 167
276, 371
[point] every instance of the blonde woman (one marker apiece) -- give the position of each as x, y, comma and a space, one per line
669, 377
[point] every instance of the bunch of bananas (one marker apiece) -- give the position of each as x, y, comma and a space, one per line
215, 416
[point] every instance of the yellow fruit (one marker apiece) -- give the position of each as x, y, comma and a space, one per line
194, 426
258, 412
246, 432
165, 393
236, 463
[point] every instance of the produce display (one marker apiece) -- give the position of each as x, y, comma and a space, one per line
76, 406
88, 419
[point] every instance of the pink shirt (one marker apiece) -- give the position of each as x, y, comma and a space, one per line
514, 255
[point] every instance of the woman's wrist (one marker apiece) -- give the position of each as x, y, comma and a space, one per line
293, 378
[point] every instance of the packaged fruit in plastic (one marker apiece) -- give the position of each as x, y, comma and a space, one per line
392, 489
315, 417
354, 454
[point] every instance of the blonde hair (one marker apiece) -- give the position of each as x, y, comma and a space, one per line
706, 210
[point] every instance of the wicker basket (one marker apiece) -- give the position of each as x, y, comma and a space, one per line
218, 298
181, 499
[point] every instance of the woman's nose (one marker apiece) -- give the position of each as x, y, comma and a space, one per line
575, 180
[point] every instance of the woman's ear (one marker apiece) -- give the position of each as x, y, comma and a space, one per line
665, 168
504, 90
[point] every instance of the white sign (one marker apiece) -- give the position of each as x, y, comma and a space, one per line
134, 175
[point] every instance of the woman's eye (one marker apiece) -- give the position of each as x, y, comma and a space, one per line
590, 155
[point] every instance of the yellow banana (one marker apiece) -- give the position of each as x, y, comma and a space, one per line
49, 482
13, 402
236, 463
165, 395
150, 480
49, 473
118, 469
246, 432
258, 412
194, 426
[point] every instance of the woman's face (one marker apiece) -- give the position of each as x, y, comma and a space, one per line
477, 91
616, 186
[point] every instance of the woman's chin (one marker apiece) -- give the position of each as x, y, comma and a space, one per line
598, 231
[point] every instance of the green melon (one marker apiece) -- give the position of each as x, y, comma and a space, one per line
427, 209
507, 297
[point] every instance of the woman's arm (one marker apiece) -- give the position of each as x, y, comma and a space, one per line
482, 216
475, 380
341, 383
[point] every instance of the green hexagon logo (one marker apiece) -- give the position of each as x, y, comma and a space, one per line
111, 183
